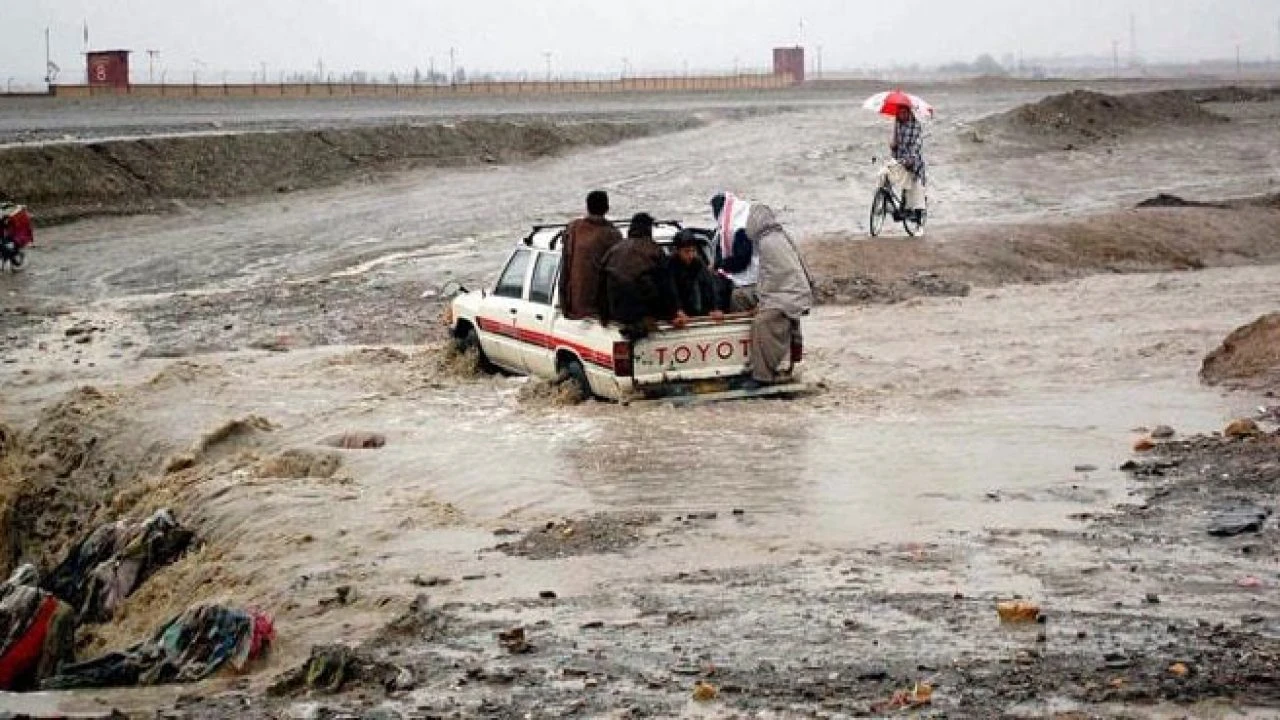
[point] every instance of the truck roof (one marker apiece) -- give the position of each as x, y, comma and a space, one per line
547, 237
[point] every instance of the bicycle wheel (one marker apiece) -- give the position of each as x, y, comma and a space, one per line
879, 208
913, 224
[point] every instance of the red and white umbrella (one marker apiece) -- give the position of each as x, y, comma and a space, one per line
887, 103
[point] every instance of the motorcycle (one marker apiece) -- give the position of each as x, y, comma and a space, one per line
15, 235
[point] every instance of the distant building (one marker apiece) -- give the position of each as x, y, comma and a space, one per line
789, 61
108, 68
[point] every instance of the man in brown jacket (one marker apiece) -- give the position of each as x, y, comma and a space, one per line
586, 240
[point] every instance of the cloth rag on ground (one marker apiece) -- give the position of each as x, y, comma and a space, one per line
190, 647
37, 632
114, 560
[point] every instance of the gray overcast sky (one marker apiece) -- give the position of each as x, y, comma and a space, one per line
594, 35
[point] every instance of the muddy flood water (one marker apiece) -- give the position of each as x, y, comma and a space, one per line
817, 556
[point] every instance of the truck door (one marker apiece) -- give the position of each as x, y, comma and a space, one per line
534, 320
499, 311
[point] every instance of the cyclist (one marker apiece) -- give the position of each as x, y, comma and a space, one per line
907, 147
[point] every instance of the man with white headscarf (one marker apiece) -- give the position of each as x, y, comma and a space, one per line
784, 289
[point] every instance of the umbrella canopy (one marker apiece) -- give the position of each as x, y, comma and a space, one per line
887, 103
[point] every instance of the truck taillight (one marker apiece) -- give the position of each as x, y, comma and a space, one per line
797, 350
623, 366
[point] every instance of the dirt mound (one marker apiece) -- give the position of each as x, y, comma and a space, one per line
1249, 357
301, 463
183, 373
1154, 239
66, 181
588, 536
58, 476
1167, 200
1234, 94
1084, 116
229, 438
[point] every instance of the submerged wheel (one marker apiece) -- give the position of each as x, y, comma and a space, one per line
879, 209
573, 372
469, 341
911, 224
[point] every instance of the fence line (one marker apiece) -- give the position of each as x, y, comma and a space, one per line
704, 83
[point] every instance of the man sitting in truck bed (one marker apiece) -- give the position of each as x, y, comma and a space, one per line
699, 292
635, 283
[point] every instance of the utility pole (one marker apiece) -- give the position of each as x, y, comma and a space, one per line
818, 69
48, 60
1133, 40
263, 66
547, 54
151, 65
453, 65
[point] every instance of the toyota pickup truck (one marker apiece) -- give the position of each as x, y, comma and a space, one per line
516, 326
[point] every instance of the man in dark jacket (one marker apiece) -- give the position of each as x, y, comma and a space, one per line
635, 283
699, 292
586, 240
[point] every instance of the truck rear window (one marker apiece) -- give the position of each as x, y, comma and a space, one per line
544, 278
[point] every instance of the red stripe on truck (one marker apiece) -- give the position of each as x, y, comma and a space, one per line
549, 342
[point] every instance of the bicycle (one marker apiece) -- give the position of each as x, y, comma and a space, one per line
886, 202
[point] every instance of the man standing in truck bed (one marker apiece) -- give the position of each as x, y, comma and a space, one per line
785, 292
586, 240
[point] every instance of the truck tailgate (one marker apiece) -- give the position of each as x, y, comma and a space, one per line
703, 350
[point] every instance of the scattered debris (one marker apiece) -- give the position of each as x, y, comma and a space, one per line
1179, 669
1163, 432
1018, 611
357, 441
331, 668
1242, 428
705, 692
514, 641
1237, 520
190, 647
433, 581
114, 560
37, 632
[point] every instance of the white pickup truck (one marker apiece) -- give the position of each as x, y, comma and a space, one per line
516, 326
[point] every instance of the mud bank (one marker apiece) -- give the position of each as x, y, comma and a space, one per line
1248, 357
1085, 116
70, 181
1153, 239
